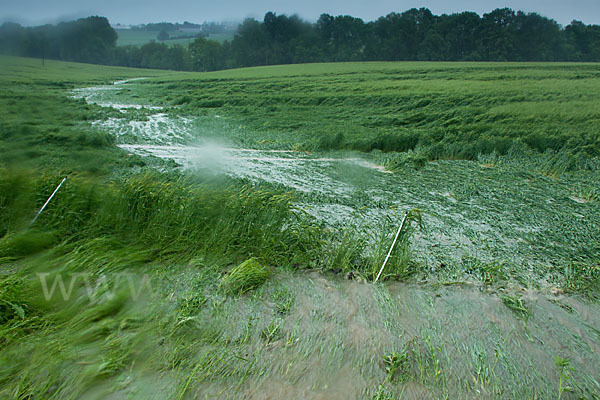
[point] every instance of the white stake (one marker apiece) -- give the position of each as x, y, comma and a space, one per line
391, 248
48, 201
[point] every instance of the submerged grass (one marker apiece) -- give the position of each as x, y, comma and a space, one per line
517, 305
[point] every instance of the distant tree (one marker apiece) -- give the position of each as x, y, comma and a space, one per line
348, 38
162, 56
249, 45
11, 38
89, 39
583, 41
162, 36
161, 26
497, 35
461, 34
433, 47
206, 55
538, 38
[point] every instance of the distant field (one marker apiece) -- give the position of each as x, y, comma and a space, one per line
138, 38
61, 74
221, 37
219, 233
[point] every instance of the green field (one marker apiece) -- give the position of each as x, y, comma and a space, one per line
210, 220
128, 37
221, 37
454, 110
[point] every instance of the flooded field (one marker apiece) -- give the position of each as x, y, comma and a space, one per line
219, 233
489, 323
494, 210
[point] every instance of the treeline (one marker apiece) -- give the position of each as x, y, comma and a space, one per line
166, 26
208, 27
90, 40
501, 35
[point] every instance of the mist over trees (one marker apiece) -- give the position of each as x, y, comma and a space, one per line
416, 34
90, 40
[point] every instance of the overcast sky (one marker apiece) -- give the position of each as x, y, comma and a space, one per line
30, 12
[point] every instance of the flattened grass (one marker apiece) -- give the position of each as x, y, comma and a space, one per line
445, 110
42, 128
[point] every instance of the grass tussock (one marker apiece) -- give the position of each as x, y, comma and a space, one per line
361, 253
25, 243
245, 277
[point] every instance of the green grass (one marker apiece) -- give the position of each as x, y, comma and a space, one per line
221, 37
452, 110
41, 126
193, 284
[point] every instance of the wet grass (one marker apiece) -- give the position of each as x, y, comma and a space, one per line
43, 127
187, 284
201, 343
444, 111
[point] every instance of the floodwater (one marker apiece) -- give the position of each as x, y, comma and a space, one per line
158, 133
459, 342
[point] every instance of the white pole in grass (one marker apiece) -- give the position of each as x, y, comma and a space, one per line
48, 201
391, 248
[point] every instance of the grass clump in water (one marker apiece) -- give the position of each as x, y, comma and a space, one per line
563, 365
273, 331
410, 159
488, 273
283, 299
245, 277
418, 360
517, 305
397, 365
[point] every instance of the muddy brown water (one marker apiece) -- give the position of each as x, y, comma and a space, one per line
462, 342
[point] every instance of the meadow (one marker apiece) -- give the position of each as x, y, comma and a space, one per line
243, 199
